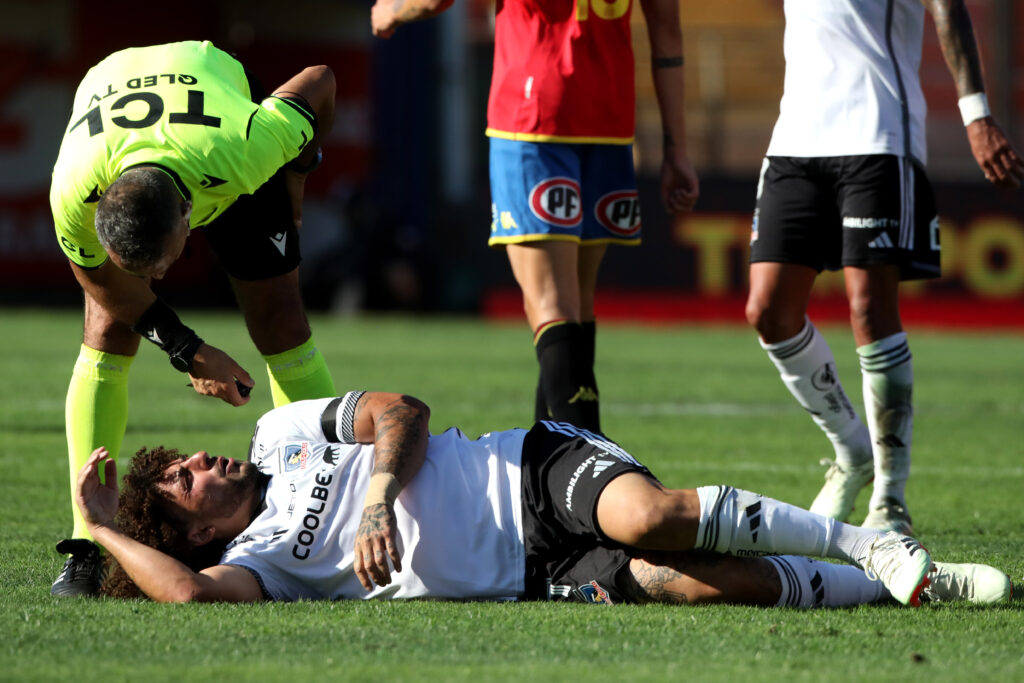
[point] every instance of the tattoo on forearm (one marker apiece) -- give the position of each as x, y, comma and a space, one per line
399, 428
956, 38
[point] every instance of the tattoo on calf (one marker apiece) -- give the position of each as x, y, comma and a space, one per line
660, 569
651, 585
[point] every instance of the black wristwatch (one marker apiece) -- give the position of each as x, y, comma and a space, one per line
181, 358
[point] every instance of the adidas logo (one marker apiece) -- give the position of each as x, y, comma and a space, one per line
818, 588
556, 591
881, 242
753, 513
600, 466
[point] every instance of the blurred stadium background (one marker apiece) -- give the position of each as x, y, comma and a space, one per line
398, 215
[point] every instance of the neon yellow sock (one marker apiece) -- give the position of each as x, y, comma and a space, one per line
95, 413
298, 374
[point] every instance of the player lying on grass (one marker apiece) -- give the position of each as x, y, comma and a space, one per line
352, 497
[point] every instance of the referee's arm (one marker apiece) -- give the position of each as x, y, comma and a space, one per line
125, 297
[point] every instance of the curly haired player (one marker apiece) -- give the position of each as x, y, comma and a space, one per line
353, 498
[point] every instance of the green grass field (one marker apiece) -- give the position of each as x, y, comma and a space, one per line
697, 405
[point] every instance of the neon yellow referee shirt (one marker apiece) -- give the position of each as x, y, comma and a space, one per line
184, 107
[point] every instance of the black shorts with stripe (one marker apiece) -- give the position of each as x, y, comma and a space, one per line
256, 237
832, 212
564, 471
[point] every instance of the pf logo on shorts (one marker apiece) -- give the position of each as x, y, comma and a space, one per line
619, 212
557, 201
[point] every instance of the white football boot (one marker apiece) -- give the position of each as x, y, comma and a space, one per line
901, 564
842, 484
975, 583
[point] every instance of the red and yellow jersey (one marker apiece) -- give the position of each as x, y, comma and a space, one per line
563, 72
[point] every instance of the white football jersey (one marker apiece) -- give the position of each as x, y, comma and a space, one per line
852, 84
459, 520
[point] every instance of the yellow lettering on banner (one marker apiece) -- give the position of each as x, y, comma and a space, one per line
967, 256
982, 276
602, 8
713, 238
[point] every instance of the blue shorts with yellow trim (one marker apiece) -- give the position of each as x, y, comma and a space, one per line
583, 193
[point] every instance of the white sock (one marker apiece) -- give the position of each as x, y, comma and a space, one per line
739, 522
813, 583
851, 543
808, 369
888, 376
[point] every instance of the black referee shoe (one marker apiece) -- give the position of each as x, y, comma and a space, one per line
82, 572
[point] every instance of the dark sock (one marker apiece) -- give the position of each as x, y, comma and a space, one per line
567, 376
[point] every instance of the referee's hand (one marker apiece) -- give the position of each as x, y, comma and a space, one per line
214, 373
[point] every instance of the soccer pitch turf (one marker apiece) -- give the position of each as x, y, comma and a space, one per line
698, 405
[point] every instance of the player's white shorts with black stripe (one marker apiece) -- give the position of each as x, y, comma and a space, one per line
832, 212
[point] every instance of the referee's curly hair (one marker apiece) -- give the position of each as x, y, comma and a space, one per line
146, 515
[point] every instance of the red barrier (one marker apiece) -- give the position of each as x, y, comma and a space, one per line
664, 307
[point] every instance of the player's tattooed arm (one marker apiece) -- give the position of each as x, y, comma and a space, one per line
994, 153
400, 437
959, 47
399, 428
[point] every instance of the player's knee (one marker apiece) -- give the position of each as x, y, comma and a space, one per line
101, 331
767, 320
774, 323
756, 313
654, 521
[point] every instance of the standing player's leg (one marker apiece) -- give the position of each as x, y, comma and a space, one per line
796, 234
611, 215
96, 414
257, 243
535, 190
888, 382
546, 272
890, 234
276, 319
776, 306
